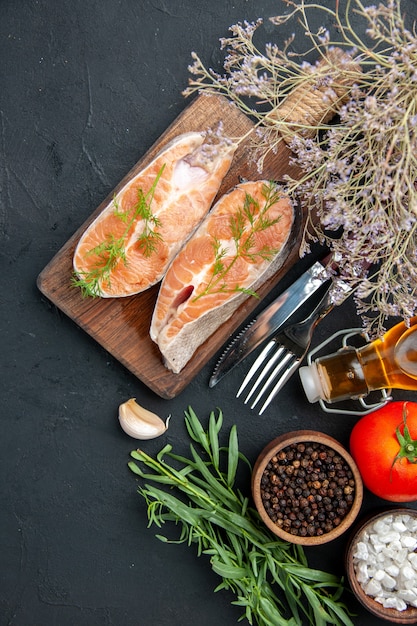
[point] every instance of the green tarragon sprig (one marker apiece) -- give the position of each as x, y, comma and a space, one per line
270, 578
112, 249
250, 219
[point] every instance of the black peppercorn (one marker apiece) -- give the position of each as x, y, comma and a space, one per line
315, 485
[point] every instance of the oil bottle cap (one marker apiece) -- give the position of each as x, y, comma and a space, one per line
311, 382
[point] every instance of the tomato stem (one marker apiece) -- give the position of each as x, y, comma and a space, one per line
408, 446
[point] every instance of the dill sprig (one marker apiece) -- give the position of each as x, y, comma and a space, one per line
249, 219
359, 170
109, 252
270, 578
112, 249
149, 237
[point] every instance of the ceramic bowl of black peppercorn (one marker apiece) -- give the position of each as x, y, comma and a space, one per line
306, 487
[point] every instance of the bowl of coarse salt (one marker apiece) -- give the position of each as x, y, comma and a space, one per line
381, 564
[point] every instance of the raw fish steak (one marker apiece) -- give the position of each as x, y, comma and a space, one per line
130, 244
239, 245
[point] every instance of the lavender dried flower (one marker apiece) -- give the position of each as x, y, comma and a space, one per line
359, 169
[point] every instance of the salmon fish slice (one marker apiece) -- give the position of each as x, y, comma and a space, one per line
129, 246
239, 245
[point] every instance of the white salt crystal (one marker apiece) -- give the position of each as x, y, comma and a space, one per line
411, 524
389, 537
373, 587
362, 574
388, 581
395, 545
389, 553
361, 551
394, 603
407, 584
408, 541
399, 526
379, 574
408, 595
401, 555
383, 524
393, 570
392, 549
408, 572
376, 542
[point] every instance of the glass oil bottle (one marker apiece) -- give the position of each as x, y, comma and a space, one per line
389, 362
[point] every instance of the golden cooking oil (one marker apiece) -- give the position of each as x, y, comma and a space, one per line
389, 362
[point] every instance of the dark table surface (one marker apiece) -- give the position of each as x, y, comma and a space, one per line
85, 89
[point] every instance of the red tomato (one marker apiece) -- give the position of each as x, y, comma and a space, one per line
384, 446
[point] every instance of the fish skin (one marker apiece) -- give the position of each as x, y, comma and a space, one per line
194, 168
180, 324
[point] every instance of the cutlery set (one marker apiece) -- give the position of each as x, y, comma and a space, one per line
288, 343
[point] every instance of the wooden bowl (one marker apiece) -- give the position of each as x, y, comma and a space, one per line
408, 616
276, 447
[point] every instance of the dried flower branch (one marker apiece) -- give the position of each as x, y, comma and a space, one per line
359, 169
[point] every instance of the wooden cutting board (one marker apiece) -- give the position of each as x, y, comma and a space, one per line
121, 325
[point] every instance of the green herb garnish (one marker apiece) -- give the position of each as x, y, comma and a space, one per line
249, 220
269, 577
112, 249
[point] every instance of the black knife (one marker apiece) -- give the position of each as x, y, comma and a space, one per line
270, 319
